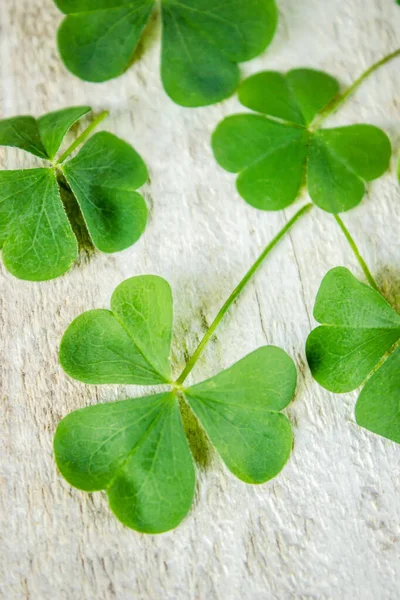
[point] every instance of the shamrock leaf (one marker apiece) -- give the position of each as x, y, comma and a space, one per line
137, 449
358, 329
202, 42
36, 236
276, 151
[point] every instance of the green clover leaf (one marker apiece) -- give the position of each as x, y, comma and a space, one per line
202, 41
275, 152
137, 449
358, 341
36, 236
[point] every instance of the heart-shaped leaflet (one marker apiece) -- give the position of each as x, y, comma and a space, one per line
358, 341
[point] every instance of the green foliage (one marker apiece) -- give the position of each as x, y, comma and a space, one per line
36, 236
103, 177
129, 344
377, 408
358, 329
41, 137
202, 41
137, 449
242, 404
282, 148
54, 126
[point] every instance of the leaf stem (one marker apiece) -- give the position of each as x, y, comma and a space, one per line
190, 364
81, 138
342, 98
357, 254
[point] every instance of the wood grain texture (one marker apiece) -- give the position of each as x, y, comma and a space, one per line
328, 526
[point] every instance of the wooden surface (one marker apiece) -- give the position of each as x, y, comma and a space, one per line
328, 526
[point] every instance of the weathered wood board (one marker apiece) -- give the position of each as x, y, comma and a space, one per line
328, 527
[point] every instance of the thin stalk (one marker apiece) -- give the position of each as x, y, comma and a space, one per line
333, 107
81, 138
357, 254
190, 364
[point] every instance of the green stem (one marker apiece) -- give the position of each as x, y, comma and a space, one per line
337, 103
80, 139
357, 254
190, 364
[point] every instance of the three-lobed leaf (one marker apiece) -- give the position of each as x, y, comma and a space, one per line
359, 328
36, 236
136, 449
202, 41
275, 152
